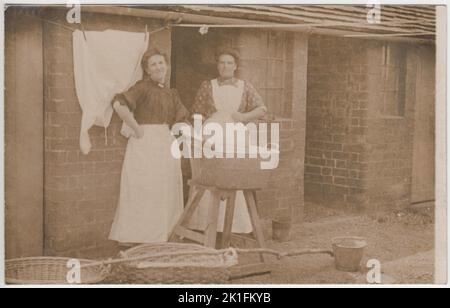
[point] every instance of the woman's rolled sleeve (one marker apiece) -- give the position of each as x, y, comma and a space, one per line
131, 97
252, 98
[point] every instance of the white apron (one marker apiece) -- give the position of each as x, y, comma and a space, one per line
227, 99
151, 189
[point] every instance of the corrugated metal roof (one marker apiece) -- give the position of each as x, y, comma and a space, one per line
402, 20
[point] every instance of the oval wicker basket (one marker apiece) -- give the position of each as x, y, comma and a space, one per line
49, 270
174, 263
229, 173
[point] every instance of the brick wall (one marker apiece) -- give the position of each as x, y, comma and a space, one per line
81, 191
360, 123
261, 65
336, 124
283, 84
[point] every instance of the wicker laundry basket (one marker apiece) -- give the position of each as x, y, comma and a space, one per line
50, 270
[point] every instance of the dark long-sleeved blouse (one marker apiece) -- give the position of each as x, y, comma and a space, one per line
153, 103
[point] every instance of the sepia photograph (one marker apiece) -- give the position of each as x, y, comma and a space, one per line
224, 144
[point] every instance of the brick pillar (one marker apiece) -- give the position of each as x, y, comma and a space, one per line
335, 165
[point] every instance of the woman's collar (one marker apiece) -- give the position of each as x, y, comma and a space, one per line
155, 83
229, 81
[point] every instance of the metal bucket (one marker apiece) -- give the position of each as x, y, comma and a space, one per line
348, 252
281, 229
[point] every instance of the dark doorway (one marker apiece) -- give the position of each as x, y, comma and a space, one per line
193, 59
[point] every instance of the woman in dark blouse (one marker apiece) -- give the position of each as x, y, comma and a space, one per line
151, 192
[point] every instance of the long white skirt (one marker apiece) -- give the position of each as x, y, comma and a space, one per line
151, 189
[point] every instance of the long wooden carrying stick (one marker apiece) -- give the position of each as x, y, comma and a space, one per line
278, 254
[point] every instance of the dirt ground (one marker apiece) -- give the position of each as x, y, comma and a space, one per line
403, 242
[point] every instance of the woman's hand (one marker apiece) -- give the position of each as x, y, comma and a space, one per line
255, 114
126, 116
139, 132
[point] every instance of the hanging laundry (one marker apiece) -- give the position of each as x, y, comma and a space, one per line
105, 63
